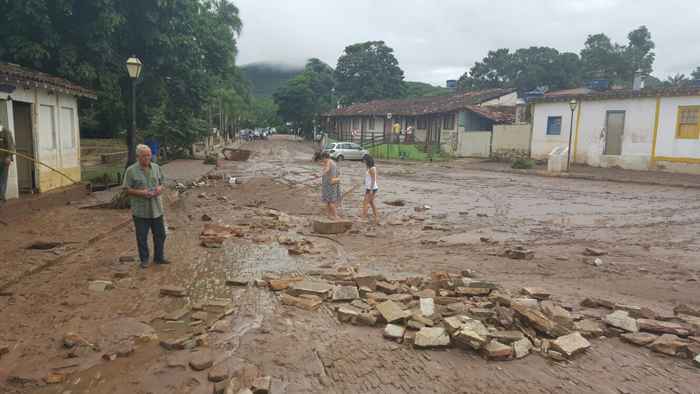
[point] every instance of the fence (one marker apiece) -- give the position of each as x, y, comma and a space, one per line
382, 147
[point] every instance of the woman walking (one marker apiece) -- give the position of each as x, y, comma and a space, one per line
330, 186
371, 189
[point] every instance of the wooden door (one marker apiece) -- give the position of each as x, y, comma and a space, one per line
24, 141
615, 128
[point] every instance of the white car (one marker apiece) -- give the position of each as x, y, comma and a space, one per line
345, 151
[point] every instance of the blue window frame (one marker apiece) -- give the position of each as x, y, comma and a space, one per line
554, 125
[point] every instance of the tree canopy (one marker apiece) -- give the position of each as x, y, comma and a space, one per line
368, 71
303, 98
187, 47
529, 68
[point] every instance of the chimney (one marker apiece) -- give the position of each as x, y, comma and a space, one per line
638, 83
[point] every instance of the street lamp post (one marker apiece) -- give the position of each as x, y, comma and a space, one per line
133, 66
572, 105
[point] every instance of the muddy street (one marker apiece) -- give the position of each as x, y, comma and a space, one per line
228, 316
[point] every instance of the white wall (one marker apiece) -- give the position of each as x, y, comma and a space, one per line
636, 139
667, 145
56, 137
474, 144
542, 143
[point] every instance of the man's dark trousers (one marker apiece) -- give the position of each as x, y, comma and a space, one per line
157, 226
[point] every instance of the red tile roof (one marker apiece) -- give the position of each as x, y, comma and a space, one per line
27, 78
424, 105
496, 113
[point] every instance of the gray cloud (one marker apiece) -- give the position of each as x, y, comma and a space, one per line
435, 40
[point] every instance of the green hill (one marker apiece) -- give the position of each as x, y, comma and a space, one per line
266, 78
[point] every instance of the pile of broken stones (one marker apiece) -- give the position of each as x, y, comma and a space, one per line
446, 310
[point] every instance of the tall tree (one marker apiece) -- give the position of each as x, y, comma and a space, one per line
306, 96
368, 71
524, 69
639, 51
696, 74
188, 48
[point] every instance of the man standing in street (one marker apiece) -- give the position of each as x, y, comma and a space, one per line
144, 184
7, 143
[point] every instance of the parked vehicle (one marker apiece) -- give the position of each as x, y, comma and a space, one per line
345, 151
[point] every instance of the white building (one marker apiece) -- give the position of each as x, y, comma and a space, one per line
633, 129
42, 113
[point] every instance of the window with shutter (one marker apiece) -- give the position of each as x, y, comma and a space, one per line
688, 123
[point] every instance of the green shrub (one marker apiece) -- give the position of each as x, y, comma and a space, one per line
523, 164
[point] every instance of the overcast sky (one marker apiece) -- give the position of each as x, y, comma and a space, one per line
436, 40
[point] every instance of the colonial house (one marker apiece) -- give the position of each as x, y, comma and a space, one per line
461, 124
634, 129
42, 112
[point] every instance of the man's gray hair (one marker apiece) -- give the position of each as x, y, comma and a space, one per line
140, 148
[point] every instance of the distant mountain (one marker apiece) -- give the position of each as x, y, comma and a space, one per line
266, 78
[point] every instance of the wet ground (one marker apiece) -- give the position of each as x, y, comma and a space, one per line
648, 232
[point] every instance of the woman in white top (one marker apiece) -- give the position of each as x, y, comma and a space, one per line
371, 189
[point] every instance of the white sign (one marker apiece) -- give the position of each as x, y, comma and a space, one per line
388, 116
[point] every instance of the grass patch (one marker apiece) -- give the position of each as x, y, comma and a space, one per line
406, 152
103, 174
523, 164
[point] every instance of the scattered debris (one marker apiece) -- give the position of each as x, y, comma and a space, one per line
214, 235
594, 252
422, 208
394, 332
206, 218
307, 302
519, 253
622, 320
43, 245
331, 227
54, 378
396, 203
431, 337
201, 360
639, 338
100, 286
571, 344
669, 344
173, 291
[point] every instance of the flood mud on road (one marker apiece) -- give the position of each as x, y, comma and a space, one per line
489, 283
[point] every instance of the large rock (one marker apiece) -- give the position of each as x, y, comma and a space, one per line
348, 313
331, 226
495, 350
345, 293
100, 286
536, 292
593, 302
431, 337
589, 328
173, 291
683, 309
662, 327
557, 314
669, 344
201, 360
369, 281
386, 287
427, 307
697, 361
571, 344
507, 337
471, 333
307, 303
262, 385
622, 320
472, 291
522, 348
219, 373
454, 323
639, 338
539, 321
392, 312
318, 288
394, 332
